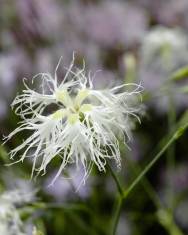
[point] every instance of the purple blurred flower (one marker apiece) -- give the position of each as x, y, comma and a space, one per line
38, 22
173, 12
169, 13
109, 23
11, 68
178, 177
64, 187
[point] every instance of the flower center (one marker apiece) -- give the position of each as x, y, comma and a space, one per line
73, 118
75, 110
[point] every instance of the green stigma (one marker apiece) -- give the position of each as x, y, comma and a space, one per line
86, 108
73, 118
59, 114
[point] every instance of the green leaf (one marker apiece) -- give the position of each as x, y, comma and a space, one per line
180, 74
177, 134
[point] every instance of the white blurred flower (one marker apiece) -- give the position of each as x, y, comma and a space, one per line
10, 221
19, 197
83, 130
161, 35
36, 231
164, 49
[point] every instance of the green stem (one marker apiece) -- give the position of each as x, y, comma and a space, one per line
146, 185
171, 150
176, 136
118, 205
118, 184
166, 219
125, 194
117, 215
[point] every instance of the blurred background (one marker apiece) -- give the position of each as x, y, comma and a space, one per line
136, 41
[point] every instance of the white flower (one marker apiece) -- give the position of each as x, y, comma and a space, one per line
163, 52
10, 222
164, 47
85, 127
